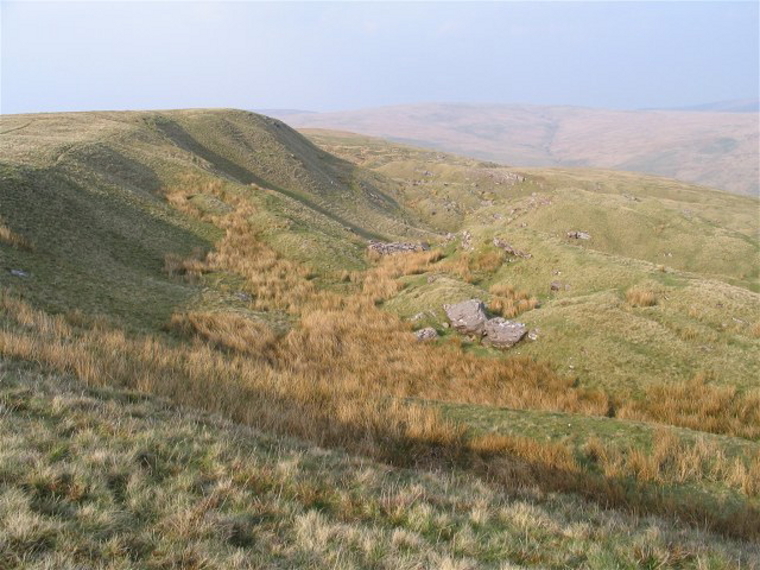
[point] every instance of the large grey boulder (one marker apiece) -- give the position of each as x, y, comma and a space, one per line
502, 333
468, 317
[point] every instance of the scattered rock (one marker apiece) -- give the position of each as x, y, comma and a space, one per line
243, 296
417, 317
559, 286
466, 241
19, 273
578, 235
390, 248
428, 333
502, 333
468, 317
533, 335
500, 243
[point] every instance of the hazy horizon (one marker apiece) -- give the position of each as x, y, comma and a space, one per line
317, 56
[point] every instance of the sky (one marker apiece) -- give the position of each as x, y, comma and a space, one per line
319, 56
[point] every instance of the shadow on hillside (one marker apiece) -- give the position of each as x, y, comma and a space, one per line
233, 171
94, 251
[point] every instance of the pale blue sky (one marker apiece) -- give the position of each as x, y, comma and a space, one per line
330, 56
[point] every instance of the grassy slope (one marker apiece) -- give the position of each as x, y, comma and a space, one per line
697, 249
87, 191
710, 148
97, 189
112, 478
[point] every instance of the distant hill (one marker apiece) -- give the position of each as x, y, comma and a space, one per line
716, 149
733, 106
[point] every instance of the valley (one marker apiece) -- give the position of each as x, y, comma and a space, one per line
194, 289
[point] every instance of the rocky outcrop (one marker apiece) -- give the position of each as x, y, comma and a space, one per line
428, 333
502, 333
390, 248
500, 243
466, 242
468, 317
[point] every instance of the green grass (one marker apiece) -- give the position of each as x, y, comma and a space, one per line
87, 191
119, 480
92, 203
697, 248
576, 430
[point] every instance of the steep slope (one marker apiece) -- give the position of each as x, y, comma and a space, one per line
717, 149
88, 191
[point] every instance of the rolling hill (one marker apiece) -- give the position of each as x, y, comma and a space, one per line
716, 149
192, 290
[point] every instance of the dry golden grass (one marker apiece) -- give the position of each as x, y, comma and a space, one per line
673, 460
460, 266
698, 405
327, 382
190, 268
342, 376
380, 283
105, 478
637, 297
488, 261
470, 267
508, 302
13, 239
226, 330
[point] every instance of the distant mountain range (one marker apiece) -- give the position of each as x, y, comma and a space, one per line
715, 144
733, 106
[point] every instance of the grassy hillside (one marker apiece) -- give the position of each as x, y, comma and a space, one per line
116, 479
88, 193
217, 259
696, 250
717, 149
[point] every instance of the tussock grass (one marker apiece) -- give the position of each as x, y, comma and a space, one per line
175, 488
637, 297
348, 375
508, 302
700, 405
13, 239
226, 330
381, 282
325, 381
673, 460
